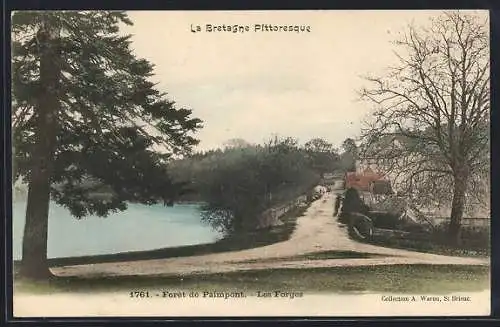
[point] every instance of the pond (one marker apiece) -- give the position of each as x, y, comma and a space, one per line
139, 228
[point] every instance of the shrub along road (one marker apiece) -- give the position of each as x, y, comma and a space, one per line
317, 232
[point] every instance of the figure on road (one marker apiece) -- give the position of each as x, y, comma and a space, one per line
338, 202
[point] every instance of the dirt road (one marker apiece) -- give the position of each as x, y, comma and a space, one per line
317, 230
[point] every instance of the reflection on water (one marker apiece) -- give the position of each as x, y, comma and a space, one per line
138, 228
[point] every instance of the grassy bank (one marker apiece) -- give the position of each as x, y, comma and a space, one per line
429, 246
396, 279
474, 242
322, 255
231, 243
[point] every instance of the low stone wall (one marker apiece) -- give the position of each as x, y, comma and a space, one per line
271, 217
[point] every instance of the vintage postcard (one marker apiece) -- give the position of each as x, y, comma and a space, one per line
251, 163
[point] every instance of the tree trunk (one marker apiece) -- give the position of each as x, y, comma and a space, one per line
34, 257
457, 208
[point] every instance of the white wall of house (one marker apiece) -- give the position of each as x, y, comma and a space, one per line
442, 212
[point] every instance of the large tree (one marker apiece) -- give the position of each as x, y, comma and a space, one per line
432, 118
323, 155
238, 184
349, 155
86, 117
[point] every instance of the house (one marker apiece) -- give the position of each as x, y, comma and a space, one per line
476, 215
366, 180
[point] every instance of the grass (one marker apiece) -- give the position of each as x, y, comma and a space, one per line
400, 279
231, 243
321, 255
430, 246
475, 243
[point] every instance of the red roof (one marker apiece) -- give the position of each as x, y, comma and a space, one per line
362, 181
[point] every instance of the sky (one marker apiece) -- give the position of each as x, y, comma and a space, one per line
255, 84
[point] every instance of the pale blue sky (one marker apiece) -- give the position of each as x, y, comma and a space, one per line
252, 85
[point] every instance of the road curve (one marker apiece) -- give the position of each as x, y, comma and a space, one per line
317, 230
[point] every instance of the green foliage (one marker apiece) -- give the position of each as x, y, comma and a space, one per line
349, 145
347, 162
389, 279
349, 155
324, 157
238, 184
110, 120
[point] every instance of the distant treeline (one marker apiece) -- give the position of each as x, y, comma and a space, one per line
238, 183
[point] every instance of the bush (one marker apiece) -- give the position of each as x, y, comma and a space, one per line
385, 220
238, 184
360, 226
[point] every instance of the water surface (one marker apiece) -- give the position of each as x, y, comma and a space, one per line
140, 227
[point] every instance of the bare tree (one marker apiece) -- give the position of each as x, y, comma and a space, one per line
431, 122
